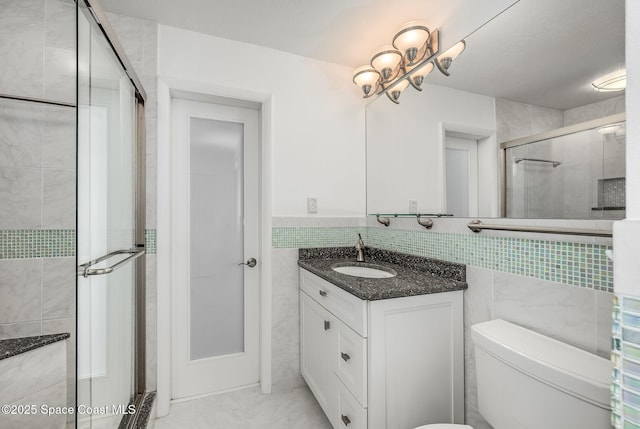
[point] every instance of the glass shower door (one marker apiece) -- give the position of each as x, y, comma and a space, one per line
106, 231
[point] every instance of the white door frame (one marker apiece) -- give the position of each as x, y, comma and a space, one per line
488, 180
201, 92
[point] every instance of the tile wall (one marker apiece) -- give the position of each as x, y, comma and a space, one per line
37, 172
625, 390
37, 169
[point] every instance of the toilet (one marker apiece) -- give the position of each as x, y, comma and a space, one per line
529, 381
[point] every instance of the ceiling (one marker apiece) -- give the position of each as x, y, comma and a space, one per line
543, 52
344, 32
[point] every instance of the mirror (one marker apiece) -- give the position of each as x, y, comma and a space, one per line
527, 72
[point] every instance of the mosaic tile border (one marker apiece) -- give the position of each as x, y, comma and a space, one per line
584, 265
302, 237
37, 243
50, 243
625, 354
151, 241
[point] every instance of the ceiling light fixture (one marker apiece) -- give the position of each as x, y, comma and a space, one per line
616, 81
406, 62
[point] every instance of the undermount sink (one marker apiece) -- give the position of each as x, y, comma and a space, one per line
366, 271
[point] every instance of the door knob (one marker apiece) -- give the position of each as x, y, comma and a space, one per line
251, 262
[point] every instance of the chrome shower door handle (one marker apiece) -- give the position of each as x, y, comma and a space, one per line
251, 262
84, 270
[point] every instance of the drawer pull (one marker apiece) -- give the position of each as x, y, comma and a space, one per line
327, 325
322, 292
346, 420
345, 357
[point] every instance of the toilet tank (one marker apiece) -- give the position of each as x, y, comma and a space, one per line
529, 381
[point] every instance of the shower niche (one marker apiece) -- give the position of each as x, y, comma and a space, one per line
575, 172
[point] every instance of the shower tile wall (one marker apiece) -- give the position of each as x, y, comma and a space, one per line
37, 172
139, 39
597, 110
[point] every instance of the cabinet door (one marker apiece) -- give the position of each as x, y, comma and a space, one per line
316, 344
416, 361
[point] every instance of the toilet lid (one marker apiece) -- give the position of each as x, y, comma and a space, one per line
444, 426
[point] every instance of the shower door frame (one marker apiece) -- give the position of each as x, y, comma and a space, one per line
139, 381
558, 132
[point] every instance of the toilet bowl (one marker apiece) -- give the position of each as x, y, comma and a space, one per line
526, 379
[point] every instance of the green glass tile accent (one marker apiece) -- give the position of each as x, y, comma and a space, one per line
150, 241
631, 352
305, 237
631, 413
49, 243
630, 366
630, 425
631, 383
618, 373
631, 335
37, 243
584, 265
631, 320
631, 304
625, 402
577, 264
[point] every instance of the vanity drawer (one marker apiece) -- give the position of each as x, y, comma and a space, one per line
350, 414
346, 307
350, 361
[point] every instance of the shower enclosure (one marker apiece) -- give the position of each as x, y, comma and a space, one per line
110, 226
575, 172
72, 122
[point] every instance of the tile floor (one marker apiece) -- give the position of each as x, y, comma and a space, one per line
248, 409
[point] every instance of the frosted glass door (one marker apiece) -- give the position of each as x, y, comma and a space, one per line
215, 230
106, 224
217, 238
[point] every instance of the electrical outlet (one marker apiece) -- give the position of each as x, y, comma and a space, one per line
413, 206
312, 204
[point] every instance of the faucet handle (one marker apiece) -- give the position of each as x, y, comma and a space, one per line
360, 249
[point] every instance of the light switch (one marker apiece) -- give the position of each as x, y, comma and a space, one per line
312, 204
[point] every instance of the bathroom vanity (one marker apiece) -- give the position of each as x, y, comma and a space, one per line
382, 352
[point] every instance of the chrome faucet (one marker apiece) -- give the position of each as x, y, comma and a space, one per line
360, 249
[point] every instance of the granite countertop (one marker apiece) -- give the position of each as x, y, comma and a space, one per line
415, 275
16, 346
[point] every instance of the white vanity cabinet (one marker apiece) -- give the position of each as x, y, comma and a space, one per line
385, 364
